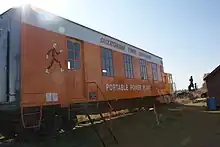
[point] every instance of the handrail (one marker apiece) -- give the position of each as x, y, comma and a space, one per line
111, 109
102, 94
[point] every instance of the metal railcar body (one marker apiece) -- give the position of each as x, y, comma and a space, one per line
49, 65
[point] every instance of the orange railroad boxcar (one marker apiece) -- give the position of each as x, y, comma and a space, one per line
50, 66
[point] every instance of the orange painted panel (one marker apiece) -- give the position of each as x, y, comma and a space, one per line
75, 77
93, 73
92, 64
127, 89
159, 73
74, 85
166, 87
35, 82
157, 85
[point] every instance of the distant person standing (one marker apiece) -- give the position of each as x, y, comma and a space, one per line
195, 86
191, 85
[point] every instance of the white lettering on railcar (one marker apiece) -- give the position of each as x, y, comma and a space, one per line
127, 87
117, 87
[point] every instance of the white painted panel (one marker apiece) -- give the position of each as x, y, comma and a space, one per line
60, 25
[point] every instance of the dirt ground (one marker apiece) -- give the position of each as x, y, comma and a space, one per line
188, 125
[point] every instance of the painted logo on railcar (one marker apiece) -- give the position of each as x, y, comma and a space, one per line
54, 54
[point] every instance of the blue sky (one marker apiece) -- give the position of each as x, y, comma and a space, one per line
185, 33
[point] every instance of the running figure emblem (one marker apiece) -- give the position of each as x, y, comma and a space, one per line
54, 54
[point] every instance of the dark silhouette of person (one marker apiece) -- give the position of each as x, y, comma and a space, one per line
191, 85
195, 86
189, 88
54, 54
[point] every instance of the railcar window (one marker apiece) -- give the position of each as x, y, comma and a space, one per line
73, 55
154, 70
143, 69
107, 67
161, 72
128, 66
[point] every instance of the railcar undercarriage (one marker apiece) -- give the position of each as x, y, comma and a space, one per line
49, 120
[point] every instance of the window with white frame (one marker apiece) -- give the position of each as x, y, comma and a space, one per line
107, 66
73, 55
128, 68
154, 70
143, 69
